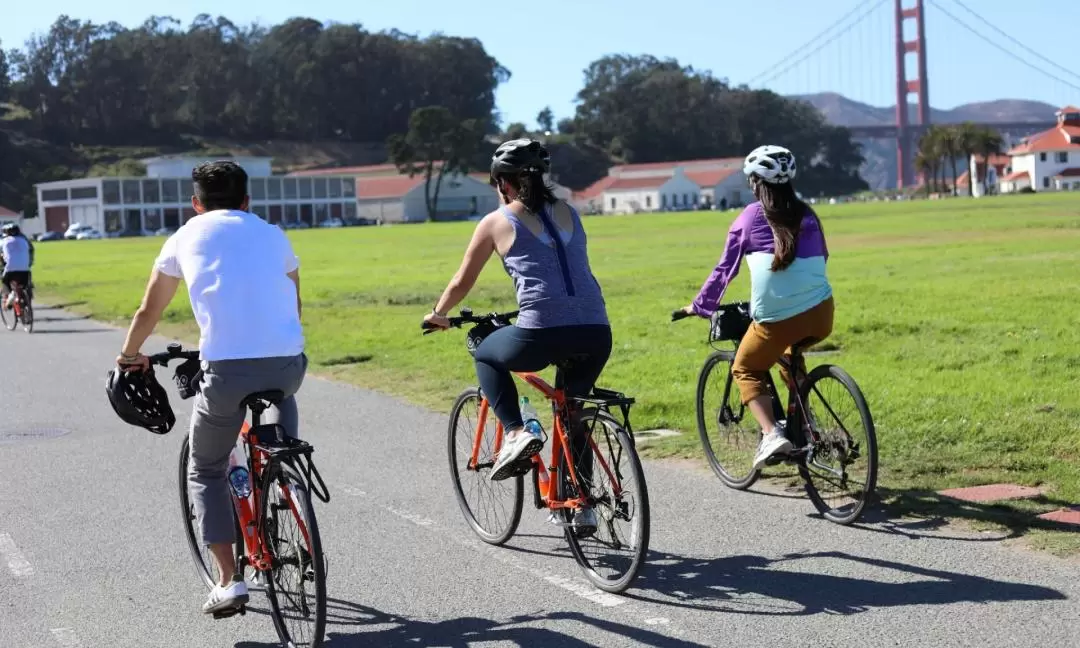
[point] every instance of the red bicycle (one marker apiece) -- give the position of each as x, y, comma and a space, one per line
271, 490
21, 310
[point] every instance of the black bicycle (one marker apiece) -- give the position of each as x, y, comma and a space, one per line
277, 534
835, 447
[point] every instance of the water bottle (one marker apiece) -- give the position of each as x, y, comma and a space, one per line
239, 478
531, 418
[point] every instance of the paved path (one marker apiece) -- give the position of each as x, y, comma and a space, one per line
92, 554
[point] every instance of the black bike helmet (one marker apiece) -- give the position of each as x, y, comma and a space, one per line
138, 399
520, 156
11, 229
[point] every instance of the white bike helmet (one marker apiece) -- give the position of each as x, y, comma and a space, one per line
773, 164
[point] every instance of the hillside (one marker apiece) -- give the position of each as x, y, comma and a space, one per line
880, 167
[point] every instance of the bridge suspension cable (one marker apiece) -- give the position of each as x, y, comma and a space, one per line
1000, 47
779, 68
1013, 40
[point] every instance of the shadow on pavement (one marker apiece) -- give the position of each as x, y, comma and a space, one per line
41, 307
61, 319
763, 586
52, 330
375, 628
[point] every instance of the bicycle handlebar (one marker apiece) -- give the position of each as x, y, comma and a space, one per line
679, 314
173, 351
467, 317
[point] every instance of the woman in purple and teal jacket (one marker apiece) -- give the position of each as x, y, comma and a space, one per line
790, 297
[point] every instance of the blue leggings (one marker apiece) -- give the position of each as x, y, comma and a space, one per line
517, 349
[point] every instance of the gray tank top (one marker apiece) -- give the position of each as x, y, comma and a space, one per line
555, 285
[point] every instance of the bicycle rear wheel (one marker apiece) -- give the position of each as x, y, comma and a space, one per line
840, 472
615, 552
296, 587
729, 434
204, 562
8, 316
492, 509
27, 313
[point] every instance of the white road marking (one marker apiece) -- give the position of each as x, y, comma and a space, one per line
16, 561
66, 637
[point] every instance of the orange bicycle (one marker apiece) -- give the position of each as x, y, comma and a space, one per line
605, 476
271, 489
21, 310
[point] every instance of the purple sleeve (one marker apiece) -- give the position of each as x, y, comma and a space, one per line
713, 291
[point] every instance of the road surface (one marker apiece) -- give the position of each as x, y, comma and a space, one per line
92, 553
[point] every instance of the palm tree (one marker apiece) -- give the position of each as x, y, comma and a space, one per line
930, 150
987, 142
967, 138
925, 164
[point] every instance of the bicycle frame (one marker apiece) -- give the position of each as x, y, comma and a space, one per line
546, 477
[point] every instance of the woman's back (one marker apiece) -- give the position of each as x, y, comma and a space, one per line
553, 279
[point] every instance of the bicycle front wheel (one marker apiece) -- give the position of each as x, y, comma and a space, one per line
204, 561
296, 587
492, 509
729, 434
613, 554
840, 471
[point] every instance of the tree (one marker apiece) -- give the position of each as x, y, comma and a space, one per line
516, 130
436, 143
987, 142
5, 75
546, 120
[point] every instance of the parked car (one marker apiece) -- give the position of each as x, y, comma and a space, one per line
88, 234
165, 231
74, 230
333, 222
49, 236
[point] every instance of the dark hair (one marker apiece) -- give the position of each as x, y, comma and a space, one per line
785, 212
531, 189
220, 185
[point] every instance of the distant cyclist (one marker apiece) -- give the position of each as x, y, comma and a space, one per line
791, 299
17, 255
244, 286
544, 250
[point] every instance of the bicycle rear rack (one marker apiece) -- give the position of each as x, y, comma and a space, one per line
281, 448
604, 400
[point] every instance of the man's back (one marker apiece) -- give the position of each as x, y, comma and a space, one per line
235, 266
16, 253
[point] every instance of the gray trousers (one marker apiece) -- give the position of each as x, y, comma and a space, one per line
215, 425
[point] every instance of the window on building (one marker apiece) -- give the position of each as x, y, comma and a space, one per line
305, 188
686, 199
663, 201
260, 211
289, 189
113, 221
350, 212
1042, 157
322, 212
333, 187
152, 219
258, 188
172, 218
151, 191
335, 210
1062, 157
320, 187
307, 214
54, 195
292, 213
1046, 182
613, 203
133, 221
275, 214
348, 188
187, 190
648, 201
110, 192
84, 193
273, 188
170, 191
188, 214
132, 195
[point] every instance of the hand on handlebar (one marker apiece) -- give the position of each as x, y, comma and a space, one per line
682, 313
140, 363
434, 322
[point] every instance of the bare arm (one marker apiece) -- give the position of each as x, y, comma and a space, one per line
295, 276
480, 249
159, 292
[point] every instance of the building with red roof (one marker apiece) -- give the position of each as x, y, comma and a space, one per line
666, 186
1050, 160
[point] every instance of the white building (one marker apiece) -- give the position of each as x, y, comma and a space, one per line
162, 199
667, 186
1050, 160
401, 199
990, 173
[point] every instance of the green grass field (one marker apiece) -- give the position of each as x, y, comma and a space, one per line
958, 318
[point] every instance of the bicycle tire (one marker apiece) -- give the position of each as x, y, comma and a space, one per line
27, 316
316, 563
8, 316
458, 454
203, 561
564, 488
730, 479
825, 372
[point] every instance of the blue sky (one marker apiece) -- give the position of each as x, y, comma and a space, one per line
547, 44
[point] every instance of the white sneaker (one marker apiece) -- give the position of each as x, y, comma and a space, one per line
226, 598
517, 448
771, 444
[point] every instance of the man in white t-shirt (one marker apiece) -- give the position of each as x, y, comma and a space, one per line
244, 285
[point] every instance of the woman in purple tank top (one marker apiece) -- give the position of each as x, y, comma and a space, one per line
562, 314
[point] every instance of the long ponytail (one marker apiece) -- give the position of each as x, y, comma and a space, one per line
785, 212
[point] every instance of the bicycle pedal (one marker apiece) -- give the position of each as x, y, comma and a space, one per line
231, 612
522, 467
